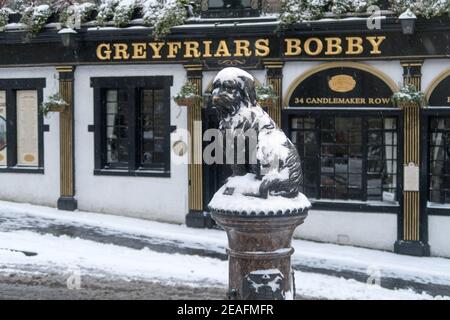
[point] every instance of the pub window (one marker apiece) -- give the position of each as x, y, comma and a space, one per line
132, 125
21, 125
439, 160
347, 158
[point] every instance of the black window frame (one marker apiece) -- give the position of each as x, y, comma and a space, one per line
427, 114
358, 205
131, 84
11, 86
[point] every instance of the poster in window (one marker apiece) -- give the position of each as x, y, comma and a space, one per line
2, 128
27, 128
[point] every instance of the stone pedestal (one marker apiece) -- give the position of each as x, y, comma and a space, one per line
260, 254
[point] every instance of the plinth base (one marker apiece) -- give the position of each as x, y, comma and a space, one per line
260, 254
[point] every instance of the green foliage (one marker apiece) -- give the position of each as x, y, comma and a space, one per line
162, 17
265, 92
4, 17
187, 91
408, 94
35, 17
52, 103
294, 11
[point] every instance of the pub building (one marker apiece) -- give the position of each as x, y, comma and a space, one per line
377, 174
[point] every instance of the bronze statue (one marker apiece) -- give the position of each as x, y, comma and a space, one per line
276, 162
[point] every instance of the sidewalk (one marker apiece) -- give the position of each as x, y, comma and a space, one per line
140, 249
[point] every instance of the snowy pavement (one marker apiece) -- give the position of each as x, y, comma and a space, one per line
40, 240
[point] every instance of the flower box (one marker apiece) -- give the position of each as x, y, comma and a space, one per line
187, 101
266, 103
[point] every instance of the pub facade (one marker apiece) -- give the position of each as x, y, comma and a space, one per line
377, 173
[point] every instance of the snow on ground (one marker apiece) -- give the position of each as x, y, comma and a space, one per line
94, 258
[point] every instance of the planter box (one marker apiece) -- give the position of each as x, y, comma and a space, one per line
268, 103
189, 102
57, 108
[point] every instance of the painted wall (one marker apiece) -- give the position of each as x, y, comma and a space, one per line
154, 198
371, 230
431, 69
439, 235
40, 189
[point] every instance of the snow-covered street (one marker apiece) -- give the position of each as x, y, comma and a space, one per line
88, 255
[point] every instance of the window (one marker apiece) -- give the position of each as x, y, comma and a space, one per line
439, 160
132, 125
21, 125
347, 158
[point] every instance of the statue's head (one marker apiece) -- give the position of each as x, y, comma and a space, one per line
233, 88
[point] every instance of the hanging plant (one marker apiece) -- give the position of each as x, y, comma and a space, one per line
73, 15
124, 12
408, 95
106, 11
53, 103
188, 95
4, 17
162, 17
266, 95
35, 17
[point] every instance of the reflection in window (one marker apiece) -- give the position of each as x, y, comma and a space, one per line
116, 128
439, 160
152, 127
229, 4
2, 128
348, 158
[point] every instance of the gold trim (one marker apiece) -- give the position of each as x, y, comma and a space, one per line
435, 82
324, 66
65, 69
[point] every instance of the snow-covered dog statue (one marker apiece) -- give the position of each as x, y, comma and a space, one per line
277, 170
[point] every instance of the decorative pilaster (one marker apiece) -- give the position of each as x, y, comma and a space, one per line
67, 199
274, 78
195, 218
410, 241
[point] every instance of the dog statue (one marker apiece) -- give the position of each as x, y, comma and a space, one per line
277, 163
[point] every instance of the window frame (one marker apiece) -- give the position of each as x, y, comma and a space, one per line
11, 86
131, 85
427, 114
355, 205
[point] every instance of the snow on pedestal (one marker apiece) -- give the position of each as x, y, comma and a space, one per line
243, 202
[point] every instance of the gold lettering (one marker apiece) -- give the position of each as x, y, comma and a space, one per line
242, 48
156, 47
191, 49
120, 51
262, 48
333, 46
173, 49
354, 45
222, 50
307, 46
207, 52
293, 47
139, 51
375, 42
448, 99
104, 51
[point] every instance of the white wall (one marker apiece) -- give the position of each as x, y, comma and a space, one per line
439, 235
36, 188
145, 197
431, 69
371, 230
